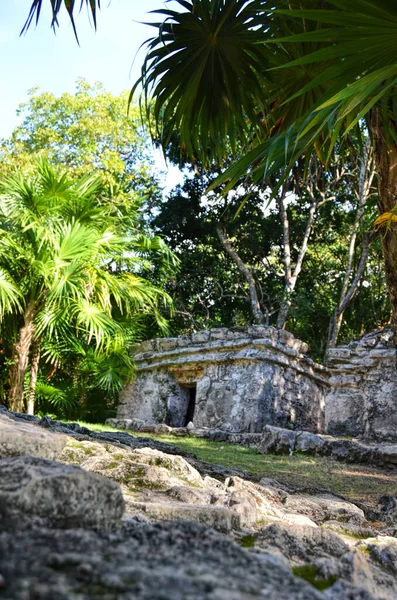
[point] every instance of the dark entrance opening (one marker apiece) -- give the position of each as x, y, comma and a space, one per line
191, 404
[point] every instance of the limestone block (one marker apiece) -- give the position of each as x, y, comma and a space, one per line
184, 340
276, 440
383, 353
180, 431
321, 508
259, 331
304, 348
243, 506
365, 362
219, 334
200, 337
148, 346
350, 451
344, 412
285, 337
299, 520
338, 353
167, 344
300, 543
370, 342
387, 454
308, 442
342, 380
251, 440
237, 333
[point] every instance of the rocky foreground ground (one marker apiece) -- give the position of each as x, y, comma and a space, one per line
87, 515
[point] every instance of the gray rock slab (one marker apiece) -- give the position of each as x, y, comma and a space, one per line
218, 517
24, 438
48, 493
166, 561
300, 543
277, 440
308, 442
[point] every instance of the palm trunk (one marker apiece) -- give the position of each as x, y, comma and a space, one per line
34, 371
21, 360
385, 152
245, 271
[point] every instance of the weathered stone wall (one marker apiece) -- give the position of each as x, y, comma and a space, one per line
243, 377
362, 400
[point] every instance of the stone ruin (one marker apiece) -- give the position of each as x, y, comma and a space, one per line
237, 380
362, 399
241, 379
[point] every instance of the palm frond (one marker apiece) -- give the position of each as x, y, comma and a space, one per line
11, 298
57, 5
202, 74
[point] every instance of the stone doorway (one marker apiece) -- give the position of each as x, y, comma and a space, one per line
191, 405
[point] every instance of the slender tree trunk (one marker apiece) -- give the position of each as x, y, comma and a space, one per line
291, 276
244, 270
336, 320
385, 152
347, 293
34, 371
21, 360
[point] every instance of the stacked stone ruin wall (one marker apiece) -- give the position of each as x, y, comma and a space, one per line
362, 401
245, 378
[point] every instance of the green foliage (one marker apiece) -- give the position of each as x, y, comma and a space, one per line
87, 132
310, 573
73, 251
315, 73
210, 291
72, 256
248, 541
199, 52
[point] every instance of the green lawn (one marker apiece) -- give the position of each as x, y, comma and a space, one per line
357, 482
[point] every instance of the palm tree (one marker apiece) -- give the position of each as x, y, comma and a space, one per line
286, 78
70, 256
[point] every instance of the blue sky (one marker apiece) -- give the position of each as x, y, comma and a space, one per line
55, 62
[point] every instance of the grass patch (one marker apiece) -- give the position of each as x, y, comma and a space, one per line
247, 541
310, 574
356, 482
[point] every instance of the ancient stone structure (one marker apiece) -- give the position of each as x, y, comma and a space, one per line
236, 380
362, 400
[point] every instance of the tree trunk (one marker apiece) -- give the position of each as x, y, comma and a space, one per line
346, 295
244, 270
34, 371
385, 152
291, 276
336, 319
21, 360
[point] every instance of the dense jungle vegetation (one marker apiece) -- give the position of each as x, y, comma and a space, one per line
286, 131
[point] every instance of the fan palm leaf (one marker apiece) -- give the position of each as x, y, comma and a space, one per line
203, 72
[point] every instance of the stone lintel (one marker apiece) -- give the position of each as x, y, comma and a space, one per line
239, 350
